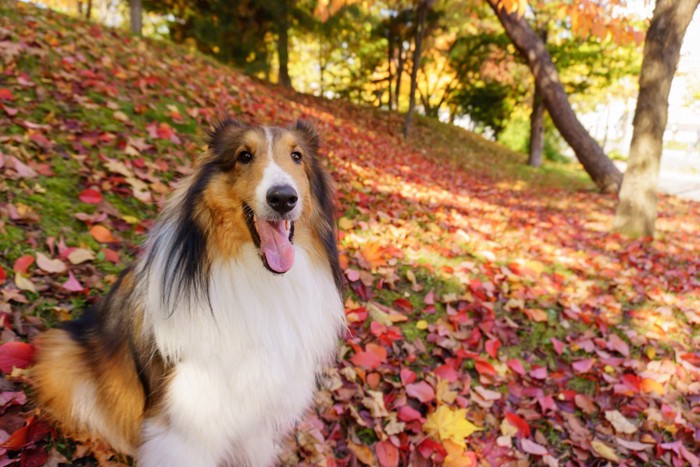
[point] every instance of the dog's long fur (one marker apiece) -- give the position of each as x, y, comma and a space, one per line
202, 354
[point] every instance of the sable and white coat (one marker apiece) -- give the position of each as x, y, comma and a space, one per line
206, 352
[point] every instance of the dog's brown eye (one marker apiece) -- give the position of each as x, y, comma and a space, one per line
296, 156
245, 157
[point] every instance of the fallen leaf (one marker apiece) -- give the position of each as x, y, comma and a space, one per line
80, 255
101, 234
49, 265
15, 355
72, 284
531, 447
421, 391
604, 451
619, 422
22, 263
90, 196
449, 424
387, 454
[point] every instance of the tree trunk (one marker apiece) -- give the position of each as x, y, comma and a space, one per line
636, 210
598, 166
421, 15
390, 58
399, 74
536, 130
135, 16
283, 48
88, 10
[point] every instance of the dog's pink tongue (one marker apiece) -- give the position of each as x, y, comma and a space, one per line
275, 245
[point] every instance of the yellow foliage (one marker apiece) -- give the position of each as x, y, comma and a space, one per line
450, 424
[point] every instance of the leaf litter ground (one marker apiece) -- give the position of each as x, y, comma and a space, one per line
493, 319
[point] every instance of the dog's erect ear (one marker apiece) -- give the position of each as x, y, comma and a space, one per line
221, 133
308, 133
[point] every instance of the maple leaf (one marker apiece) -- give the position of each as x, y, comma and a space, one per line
446, 423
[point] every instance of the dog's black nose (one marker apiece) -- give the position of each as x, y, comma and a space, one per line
282, 198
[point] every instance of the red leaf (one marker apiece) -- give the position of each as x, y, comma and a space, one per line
447, 372
582, 366
421, 391
22, 263
616, 343
15, 354
408, 414
35, 430
484, 368
387, 454
539, 372
90, 196
110, 255
3, 275
558, 345
407, 376
371, 358
6, 94
520, 423
515, 365
34, 457
492, 346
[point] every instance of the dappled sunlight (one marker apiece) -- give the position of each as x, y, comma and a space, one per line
489, 306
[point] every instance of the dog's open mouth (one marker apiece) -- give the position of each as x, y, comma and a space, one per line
273, 237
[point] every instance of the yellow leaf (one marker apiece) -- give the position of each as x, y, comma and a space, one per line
448, 424
604, 451
507, 429
345, 224
422, 325
23, 283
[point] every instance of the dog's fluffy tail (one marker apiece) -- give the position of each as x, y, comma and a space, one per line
86, 393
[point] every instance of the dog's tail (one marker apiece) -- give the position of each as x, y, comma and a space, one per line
86, 393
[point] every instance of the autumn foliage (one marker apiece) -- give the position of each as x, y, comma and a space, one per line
492, 317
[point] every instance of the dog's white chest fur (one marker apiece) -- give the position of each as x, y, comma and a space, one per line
244, 368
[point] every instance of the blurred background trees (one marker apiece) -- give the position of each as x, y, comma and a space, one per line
458, 61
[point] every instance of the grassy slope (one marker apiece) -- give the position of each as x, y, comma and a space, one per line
462, 263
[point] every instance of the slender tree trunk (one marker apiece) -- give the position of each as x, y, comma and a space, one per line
390, 57
636, 210
79, 5
399, 74
283, 48
598, 166
135, 16
421, 15
536, 130
88, 10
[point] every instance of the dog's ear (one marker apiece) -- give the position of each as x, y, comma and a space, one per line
222, 132
308, 133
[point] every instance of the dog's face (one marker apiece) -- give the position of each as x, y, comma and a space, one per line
262, 183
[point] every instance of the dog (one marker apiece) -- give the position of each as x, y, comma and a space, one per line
206, 351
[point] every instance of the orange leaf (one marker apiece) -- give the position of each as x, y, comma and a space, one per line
101, 234
373, 254
650, 385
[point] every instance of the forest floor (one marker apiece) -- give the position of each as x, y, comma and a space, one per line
493, 317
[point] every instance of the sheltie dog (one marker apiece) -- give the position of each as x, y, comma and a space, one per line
206, 351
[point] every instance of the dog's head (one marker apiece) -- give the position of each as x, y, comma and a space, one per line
266, 178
